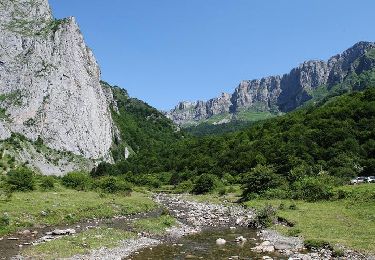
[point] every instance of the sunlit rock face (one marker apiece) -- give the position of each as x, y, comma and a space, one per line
279, 93
50, 82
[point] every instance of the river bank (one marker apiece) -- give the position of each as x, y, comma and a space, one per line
195, 226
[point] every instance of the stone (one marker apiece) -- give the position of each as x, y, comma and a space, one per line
268, 249
240, 239
25, 232
283, 246
221, 241
265, 243
61, 232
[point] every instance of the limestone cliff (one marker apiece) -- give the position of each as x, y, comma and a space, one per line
50, 82
279, 93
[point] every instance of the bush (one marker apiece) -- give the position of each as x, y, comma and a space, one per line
260, 179
77, 181
264, 217
4, 220
316, 243
103, 169
338, 252
185, 187
313, 189
21, 179
293, 206
152, 181
47, 183
113, 184
293, 232
228, 179
205, 183
222, 191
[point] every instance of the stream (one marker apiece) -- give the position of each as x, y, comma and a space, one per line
203, 246
200, 226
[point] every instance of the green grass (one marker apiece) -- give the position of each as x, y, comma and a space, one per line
348, 222
217, 118
78, 244
67, 206
252, 116
155, 225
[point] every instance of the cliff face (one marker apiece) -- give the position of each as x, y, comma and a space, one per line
50, 82
279, 93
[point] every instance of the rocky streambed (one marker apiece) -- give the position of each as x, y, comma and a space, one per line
203, 231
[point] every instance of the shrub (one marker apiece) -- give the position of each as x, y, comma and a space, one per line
4, 220
264, 217
228, 179
205, 183
21, 179
293, 206
77, 181
260, 179
184, 187
103, 169
152, 181
313, 189
293, 232
316, 243
113, 184
223, 191
338, 252
47, 183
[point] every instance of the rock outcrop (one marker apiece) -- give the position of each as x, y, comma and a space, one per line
50, 82
279, 93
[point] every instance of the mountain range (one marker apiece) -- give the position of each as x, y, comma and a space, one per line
277, 94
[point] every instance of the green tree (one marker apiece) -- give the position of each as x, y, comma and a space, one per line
260, 179
205, 183
20, 179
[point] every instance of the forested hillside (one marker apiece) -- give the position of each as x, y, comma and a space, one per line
335, 135
140, 126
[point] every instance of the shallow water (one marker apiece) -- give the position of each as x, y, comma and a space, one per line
203, 246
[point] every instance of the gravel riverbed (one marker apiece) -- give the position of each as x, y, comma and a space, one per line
193, 217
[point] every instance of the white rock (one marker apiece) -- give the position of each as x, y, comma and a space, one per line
240, 239
265, 243
267, 249
220, 241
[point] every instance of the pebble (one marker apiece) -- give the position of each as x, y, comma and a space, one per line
201, 214
61, 232
220, 241
240, 239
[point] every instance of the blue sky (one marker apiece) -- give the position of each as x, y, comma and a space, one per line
164, 51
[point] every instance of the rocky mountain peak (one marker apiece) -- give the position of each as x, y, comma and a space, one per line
280, 93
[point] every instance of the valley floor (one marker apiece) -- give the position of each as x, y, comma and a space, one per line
119, 225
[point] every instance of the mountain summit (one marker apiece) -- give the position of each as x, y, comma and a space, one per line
277, 93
